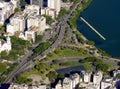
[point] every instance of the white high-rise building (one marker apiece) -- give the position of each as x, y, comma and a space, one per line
51, 4
85, 76
37, 21
97, 77
17, 23
75, 79
55, 4
6, 9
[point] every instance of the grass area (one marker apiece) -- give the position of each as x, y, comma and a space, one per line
26, 74
66, 53
62, 13
3, 67
67, 35
87, 67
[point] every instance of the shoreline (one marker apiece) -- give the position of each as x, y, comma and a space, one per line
77, 15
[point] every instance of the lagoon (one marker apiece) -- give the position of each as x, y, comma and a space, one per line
104, 16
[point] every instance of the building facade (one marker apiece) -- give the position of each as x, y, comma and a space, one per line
6, 9
5, 45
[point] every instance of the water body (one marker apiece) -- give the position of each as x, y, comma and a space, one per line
69, 70
104, 15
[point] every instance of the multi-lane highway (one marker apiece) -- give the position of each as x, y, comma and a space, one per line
26, 62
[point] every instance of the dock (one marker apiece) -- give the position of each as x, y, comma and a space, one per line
93, 28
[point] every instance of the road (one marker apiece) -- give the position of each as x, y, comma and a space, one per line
25, 61
65, 60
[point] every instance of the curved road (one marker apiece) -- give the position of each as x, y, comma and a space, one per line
26, 62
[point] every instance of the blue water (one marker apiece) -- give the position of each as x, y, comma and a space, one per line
70, 70
104, 15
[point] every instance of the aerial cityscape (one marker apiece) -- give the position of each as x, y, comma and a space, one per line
59, 44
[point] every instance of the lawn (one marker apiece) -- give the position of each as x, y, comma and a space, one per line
31, 72
2, 67
66, 53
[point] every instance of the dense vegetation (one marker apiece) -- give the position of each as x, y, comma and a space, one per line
21, 80
17, 44
62, 13
3, 67
38, 39
117, 76
2, 28
7, 69
79, 36
41, 48
80, 8
49, 19
92, 60
97, 63
17, 10
52, 75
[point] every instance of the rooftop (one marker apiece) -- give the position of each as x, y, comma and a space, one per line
34, 29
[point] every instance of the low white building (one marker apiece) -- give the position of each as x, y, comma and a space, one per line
5, 45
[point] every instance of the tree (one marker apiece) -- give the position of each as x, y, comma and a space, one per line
102, 67
92, 60
2, 29
41, 67
42, 47
90, 42
17, 10
117, 76
52, 75
61, 76
62, 13
21, 80
49, 19
38, 38
2, 67
22, 3
81, 50
87, 67
3, 54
